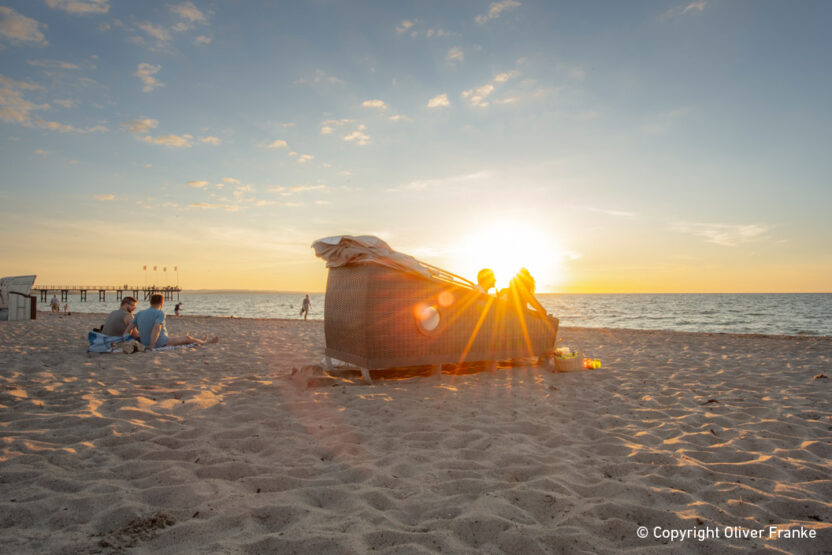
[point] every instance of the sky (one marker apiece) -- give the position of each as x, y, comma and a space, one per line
642, 146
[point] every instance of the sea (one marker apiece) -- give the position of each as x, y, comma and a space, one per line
775, 313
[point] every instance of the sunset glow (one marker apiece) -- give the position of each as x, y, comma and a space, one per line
505, 247
224, 139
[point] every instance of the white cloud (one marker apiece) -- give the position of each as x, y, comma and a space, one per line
319, 77
146, 73
375, 103
477, 96
404, 26
496, 9
52, 64
439, 101
358, 136
202, 40
156, 31
104, 197
328, 126
244, 188
278, 143
187, 10
14, 108
697, 6
399, 117
422, 184
678, 11
140, 126
18, 28
41, 152
505, 76
80, 7
438, 33
205, 205
231, 180
506, 100
455, 54
726, 235
210, 140
302, 158
302, 188
198, 184
171, 141
65, 128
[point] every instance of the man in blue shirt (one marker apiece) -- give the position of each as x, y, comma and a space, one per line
152, 329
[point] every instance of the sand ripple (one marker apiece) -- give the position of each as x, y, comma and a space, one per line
216, 449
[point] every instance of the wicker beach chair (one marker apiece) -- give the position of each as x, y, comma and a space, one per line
378, 317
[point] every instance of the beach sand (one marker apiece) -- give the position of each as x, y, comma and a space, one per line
217, 449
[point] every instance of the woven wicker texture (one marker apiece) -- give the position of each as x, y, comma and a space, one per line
369, 321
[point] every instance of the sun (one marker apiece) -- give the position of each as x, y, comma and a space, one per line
507, 246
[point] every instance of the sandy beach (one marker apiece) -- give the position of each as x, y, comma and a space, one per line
218, 449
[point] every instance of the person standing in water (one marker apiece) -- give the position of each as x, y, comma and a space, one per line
304, 308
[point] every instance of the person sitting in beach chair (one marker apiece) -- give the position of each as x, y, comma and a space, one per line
152, 330
118, 320
485, 280
521, 291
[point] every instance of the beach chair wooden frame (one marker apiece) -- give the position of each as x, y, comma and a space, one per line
372, 321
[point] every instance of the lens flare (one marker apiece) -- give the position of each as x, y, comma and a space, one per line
427, 317
446, 299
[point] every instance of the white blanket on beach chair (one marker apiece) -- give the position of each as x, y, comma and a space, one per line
341, 250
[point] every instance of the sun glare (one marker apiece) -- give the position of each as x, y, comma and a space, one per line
505, 247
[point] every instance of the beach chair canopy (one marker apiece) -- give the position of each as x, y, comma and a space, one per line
341, 250
344, 250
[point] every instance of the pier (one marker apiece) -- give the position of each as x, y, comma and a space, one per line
146, 291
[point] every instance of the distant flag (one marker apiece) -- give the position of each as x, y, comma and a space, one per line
165, 269
154, 268
144, 268
176, 268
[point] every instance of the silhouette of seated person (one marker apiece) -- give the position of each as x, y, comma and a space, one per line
521, 291
485, 280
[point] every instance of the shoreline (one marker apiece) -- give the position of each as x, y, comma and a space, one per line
171, 317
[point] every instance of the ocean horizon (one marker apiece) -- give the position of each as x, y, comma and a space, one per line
745, 313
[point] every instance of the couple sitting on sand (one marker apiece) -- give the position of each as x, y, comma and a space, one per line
520, 289
148, 326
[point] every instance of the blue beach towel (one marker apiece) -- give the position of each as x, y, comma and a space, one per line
100, 343
174, 347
